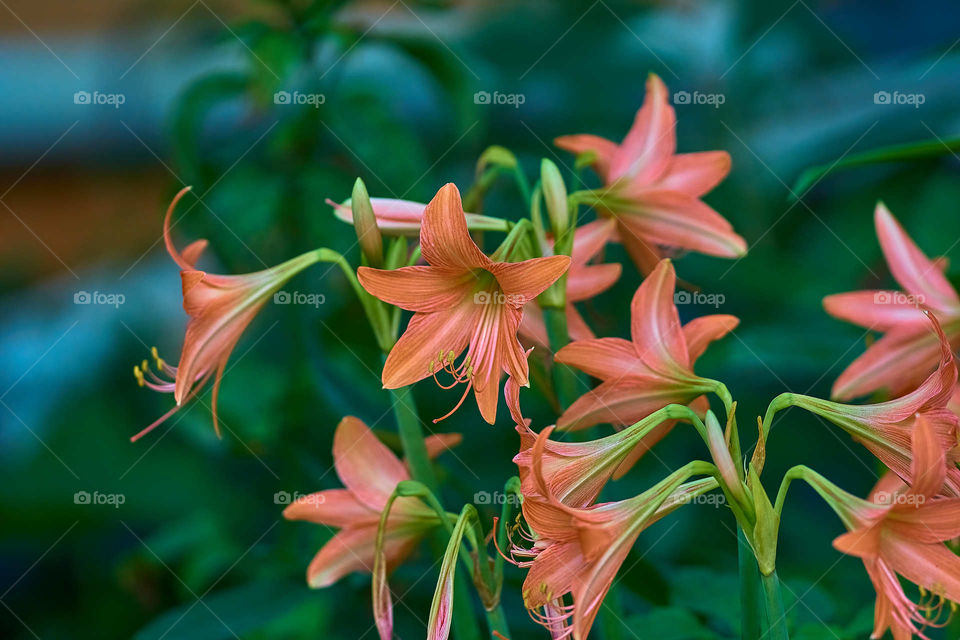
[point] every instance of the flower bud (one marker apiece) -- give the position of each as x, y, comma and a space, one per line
365, 223
555, 195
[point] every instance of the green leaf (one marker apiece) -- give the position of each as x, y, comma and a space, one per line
669, 623
897, 153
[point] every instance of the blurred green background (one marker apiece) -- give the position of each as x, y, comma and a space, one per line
197, 549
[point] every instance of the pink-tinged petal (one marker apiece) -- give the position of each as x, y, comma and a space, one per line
444, 238
932, 566
591, 238
675, 219
655, 324
621, 402
511, 393
585, 282
647, 149
523, 281
912, 269
928, 469
334, 508
192, 253
696, 173
393, 216
440, 442
418, 288
365, 465
863, 542
700, 332
496, 350
898, 361
427, 336
880, 310
559, 567
589, 598
352, 549
927, 523
603, 149
183, 261
404, 217
604, 358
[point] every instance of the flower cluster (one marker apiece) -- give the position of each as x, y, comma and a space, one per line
475, 316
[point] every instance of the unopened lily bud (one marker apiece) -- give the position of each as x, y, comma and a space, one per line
766, 530
365, 223
555, 195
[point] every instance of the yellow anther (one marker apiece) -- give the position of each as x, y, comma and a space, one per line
138, 374
156, 357
143, 365
543, 587
451, 355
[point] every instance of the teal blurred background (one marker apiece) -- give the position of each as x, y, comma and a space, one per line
197, 549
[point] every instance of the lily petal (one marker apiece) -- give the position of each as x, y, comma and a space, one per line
364, 464
912, 269
645, 152
444, 238
655, 323
523, 281
417, 288
427, 335
700, 332
880, 310
696, 173
604, 149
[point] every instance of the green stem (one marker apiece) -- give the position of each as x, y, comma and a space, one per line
749, 589
776, 619
565, 379
411, 436
497, 621
375, 310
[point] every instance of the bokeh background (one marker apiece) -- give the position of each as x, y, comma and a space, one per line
182, 93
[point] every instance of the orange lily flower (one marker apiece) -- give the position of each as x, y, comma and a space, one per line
888, 429
907, 352
370, 472
220, 309
584, 282
901, 531
654, 193
461, 300
577, 551
650, 371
